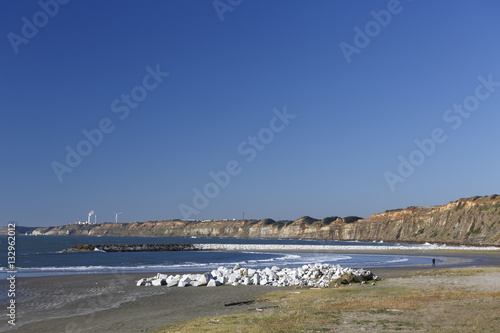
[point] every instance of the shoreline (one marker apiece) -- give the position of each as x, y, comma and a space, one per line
447, 257
110, 302
113, 302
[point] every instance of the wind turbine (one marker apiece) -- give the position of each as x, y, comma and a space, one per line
116, 216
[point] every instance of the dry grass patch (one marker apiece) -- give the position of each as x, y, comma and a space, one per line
312, 310
382, 308
458, 271
447, 272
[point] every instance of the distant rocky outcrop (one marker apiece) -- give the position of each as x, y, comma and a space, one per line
20, 230
472, 221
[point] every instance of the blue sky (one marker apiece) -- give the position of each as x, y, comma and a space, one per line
349, 122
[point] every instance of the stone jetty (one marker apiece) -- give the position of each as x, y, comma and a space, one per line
132, 247
317, 275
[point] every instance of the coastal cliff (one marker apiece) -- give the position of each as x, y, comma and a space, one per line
474, 221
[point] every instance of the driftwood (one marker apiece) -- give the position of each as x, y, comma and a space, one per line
240, 303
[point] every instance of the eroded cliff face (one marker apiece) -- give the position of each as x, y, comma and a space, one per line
467, 221
473, 220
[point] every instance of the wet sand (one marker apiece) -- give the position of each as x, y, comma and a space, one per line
112, 302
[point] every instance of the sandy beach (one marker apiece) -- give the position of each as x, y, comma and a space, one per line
111, 303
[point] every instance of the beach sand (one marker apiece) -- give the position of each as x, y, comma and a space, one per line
113, 302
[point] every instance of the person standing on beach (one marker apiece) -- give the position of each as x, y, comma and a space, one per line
433, 262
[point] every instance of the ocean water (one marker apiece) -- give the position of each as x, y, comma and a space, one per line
41, 256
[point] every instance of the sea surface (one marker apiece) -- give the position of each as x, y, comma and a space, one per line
42, 256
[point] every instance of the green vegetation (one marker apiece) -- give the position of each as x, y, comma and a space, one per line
485, 207
308, 220
460, 206
476, 230
268, 221
351, 219
330, 219
480, 198
393, 210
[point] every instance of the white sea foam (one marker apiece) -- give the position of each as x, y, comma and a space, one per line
296, 247
396, 260
281, 259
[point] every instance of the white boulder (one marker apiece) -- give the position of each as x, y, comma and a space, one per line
317, 275
213, 283
158, 282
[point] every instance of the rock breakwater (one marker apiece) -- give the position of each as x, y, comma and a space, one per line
317, 275
132, 247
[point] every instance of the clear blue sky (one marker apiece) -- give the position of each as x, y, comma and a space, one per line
353, 119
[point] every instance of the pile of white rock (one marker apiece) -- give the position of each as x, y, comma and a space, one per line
317, 275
